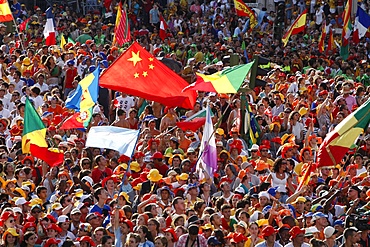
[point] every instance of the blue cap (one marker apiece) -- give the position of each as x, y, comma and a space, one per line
102, 55
47, 113
318, 215
212, 240
309, 214
92, 68
104, 63
338, 223
272, 191
71, 62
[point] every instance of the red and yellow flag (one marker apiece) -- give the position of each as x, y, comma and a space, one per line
122, 28
243, 10
298, 26
5, 12
346, 31
322, 38
331, 44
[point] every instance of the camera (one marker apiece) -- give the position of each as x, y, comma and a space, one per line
361, 222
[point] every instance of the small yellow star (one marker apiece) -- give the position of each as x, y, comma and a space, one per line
151, 59
145, 73
136, 75
151, 66
135, 58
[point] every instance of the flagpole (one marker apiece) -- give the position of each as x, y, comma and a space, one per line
17, 30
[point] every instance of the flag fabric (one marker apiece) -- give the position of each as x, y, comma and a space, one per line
244, 48
70, 40
346, 31
122, 28
331, 44
208, 153
322, 38
251, 126
5, 12
76, 121
138, 73
298, 26
362, 24
243, 10
310, 168
86, 93
24, 25
194, 122
225, 81
62, 41
49, 30
120, 139
162, 28
337, 143
33, 137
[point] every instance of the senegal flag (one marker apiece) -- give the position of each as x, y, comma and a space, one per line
339, 141
33, 138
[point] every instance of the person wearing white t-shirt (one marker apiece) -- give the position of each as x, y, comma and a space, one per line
35, 96
125, 102
41, 83
4, 113
295, 127
4, 99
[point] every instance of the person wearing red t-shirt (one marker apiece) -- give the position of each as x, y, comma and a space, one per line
71, 73
101, 171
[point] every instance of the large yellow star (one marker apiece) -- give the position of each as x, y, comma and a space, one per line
136, 75
145, 73
135, 58
151, 59
151, 66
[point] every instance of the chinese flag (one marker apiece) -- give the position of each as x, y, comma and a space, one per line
138, 73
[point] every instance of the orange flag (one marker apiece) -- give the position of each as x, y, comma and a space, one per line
243, 10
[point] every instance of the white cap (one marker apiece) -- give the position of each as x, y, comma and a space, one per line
265, 194
311, 230
255, 147
20, 201
329, 231
17, 210
88, 179
219, 63
75, 211
63, 218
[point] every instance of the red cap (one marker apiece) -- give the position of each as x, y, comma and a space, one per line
295, 231
87, 239
239, 237
157, 155
55, 227
51, 241
129, 223
268, 231
139, 154
173, 233
108, 178
323, 92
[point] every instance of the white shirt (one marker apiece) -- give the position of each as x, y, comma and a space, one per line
291, 245
5, 113
125, 103
37, 101
43, 88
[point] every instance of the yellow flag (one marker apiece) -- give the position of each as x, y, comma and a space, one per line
62, 42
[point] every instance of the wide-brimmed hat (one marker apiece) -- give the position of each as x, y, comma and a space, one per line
154, 175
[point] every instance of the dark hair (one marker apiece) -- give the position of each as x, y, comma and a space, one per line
26, 236
97, 192
163, 240
105, 239
277, 164
39, 189
147, 233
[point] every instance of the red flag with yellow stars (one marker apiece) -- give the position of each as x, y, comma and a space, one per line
137, 72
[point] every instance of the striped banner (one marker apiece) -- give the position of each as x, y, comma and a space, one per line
122, 31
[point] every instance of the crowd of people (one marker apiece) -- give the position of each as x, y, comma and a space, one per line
98, 197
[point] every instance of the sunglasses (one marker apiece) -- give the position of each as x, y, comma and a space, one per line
254, 151
264, 150
36, 212
85, 163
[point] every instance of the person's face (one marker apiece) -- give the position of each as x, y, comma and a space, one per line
64, 226
10, 222
325, 171
84, 244
180, 222
271, 238
132, 243
51, 233
31, 241
358, 160
299, 239
10, 239
152, 226
158, 243
76, 217
109, 243
98, 236
226, 213
263, 201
